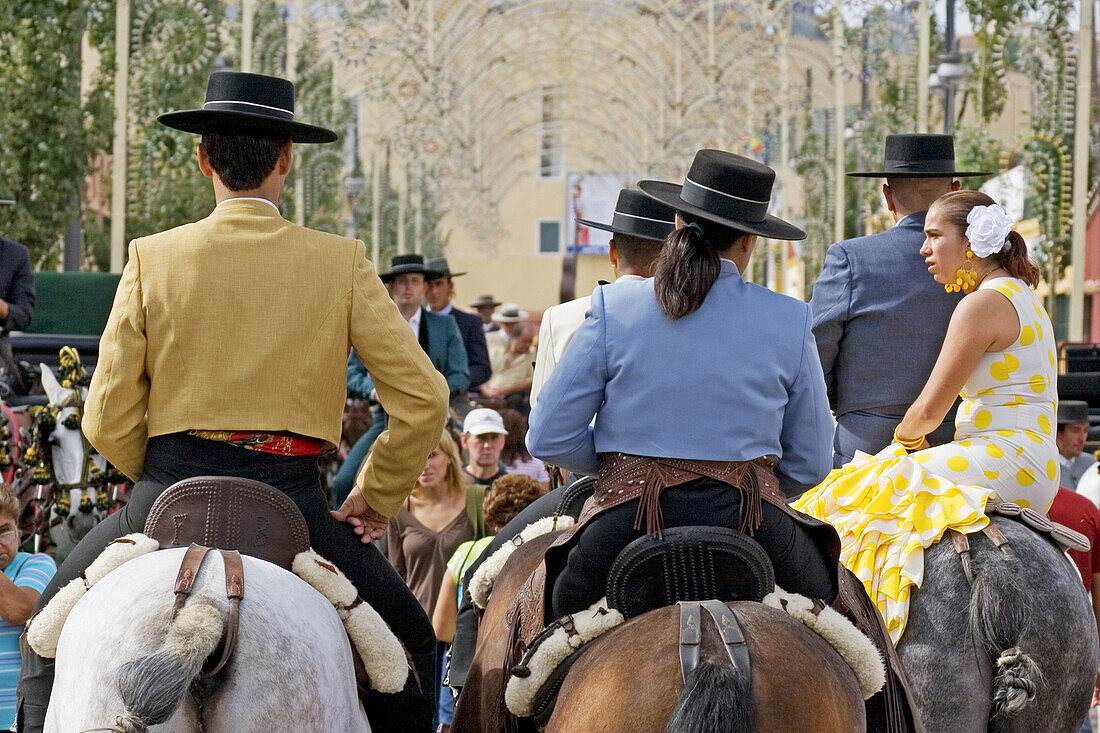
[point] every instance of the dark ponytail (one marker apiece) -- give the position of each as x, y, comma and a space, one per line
1014, 259
688, 265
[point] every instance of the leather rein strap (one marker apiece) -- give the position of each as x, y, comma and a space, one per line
691, 637
234, 590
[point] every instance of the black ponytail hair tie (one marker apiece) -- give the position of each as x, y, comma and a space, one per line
697, 227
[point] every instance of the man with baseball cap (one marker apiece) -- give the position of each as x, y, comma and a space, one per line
483, 436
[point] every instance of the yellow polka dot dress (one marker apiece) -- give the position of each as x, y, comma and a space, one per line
889, 507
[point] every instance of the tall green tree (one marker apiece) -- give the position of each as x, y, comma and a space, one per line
44, 146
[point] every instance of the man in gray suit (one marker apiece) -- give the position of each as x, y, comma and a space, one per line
878, 316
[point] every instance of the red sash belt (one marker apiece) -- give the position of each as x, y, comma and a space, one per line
275, 443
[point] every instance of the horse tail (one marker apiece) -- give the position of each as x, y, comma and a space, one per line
152, 686
719, 699
999, 618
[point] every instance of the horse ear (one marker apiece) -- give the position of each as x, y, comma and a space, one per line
53, 388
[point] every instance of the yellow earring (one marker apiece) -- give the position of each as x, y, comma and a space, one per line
965, 277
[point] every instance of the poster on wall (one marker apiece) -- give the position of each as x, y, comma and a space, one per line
590, 196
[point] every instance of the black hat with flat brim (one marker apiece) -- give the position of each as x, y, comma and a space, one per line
239, 102
727, 189
440, 268
920, 155
638, 215
1072, 411
485, 301
407, 265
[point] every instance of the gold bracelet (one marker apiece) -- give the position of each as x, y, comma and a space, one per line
913, 444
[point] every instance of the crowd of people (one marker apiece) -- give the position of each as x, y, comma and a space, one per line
693, 396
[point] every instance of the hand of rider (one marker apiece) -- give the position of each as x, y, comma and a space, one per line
366, 522
1096, 691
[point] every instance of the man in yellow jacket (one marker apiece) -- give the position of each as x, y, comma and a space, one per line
225, 354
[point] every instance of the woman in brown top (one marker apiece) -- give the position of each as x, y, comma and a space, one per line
431, 524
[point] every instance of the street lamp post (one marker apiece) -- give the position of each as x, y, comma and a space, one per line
949, 73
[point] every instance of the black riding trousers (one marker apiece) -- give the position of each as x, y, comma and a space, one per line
800, 567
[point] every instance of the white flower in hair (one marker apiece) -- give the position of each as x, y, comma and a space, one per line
987, 228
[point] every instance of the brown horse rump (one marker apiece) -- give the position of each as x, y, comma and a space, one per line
625, 478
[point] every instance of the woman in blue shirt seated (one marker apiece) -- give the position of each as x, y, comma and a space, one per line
24, 577
707, 393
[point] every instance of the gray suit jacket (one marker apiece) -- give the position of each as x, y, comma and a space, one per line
879, 319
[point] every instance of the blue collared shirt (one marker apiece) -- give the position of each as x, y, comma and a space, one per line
737, 379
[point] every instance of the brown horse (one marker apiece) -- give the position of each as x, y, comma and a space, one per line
630, 678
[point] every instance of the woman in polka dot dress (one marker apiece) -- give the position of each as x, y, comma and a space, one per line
999, 356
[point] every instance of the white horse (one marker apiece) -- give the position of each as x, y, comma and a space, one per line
72, 466
123, 665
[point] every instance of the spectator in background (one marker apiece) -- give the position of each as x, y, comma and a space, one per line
441, 289
16, 302
430, 526
508, 496
512, 360
515, 457
25, 576
1077, 512
483, 436
485, 305
1073, 432
438, 336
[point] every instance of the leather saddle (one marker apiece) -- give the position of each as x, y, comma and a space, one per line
575, 495
229, 513
234, 515
710, 565
689, 564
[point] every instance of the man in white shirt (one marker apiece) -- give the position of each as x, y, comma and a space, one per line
639, 227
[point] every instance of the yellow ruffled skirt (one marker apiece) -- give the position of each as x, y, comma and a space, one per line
887, 509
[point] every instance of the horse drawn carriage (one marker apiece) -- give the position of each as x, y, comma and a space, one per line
63, 485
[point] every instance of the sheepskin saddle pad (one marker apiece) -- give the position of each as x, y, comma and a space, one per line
233, 514
533, 684
854, 647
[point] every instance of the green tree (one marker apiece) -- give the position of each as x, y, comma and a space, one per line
44, 148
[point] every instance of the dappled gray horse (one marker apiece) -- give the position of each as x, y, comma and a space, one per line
1017, 652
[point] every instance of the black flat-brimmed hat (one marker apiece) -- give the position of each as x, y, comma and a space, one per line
728, 189
1071, 411
638, 215
238, 101
440, 268
407, 265
919, 155
485, 301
